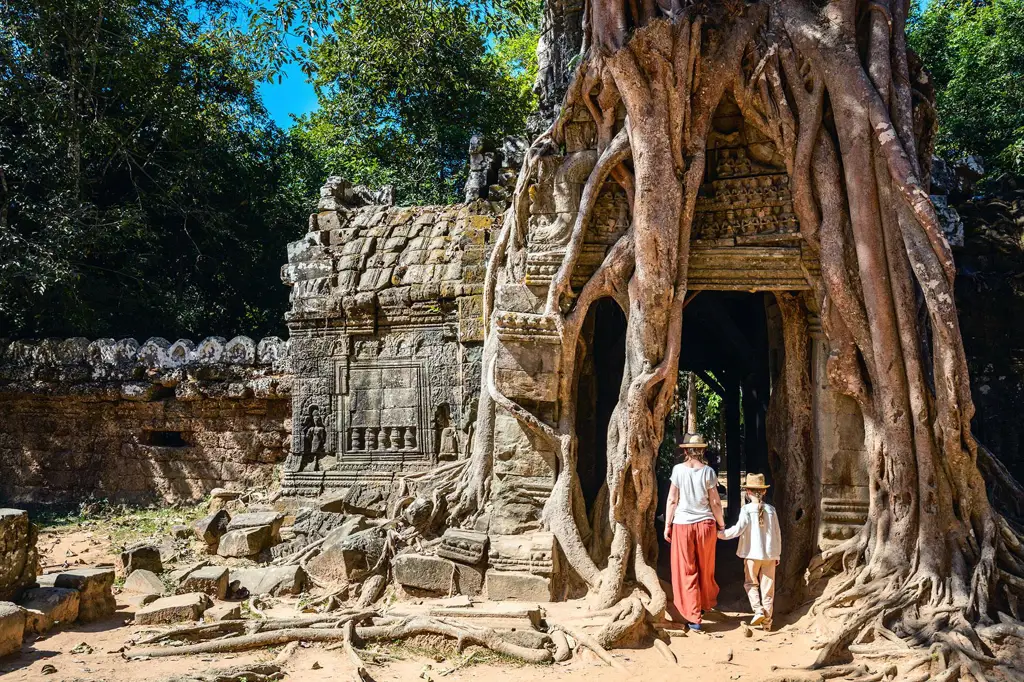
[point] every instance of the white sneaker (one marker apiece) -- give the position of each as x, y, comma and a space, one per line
757, 619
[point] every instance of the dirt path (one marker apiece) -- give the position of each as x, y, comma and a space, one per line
707, 654
93, 652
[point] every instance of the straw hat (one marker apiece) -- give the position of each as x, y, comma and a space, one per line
755, 482
693, 440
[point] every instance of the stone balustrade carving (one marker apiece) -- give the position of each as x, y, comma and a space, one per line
78, 360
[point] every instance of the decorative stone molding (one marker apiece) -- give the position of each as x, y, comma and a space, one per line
52, 365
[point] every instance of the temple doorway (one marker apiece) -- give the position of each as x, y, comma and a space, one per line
731, 346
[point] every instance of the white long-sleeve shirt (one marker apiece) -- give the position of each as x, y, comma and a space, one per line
762, 542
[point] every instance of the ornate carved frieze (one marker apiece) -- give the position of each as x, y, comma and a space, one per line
525, 326
534, 553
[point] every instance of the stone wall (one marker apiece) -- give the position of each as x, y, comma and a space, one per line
990, 300
161, 421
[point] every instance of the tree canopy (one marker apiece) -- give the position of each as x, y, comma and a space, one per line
144, 189
975, 53
404, 85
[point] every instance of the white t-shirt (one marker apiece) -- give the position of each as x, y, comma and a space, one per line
693, 485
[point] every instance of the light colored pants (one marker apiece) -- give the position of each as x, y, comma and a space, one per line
759, 581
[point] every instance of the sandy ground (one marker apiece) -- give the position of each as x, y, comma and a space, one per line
93, 652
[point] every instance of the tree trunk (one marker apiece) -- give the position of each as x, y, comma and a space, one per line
830, 86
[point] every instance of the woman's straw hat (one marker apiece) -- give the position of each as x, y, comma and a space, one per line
755, 482
693, 440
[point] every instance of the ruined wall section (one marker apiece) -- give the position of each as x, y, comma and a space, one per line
127, 422
386, 330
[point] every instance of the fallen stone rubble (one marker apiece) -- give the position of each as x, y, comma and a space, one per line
343, 556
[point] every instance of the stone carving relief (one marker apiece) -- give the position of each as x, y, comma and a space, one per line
314, 439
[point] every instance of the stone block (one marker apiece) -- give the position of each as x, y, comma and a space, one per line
12, 628
517, 586
348, 557
534, 553
95, 588
18, 556
47, 607
223, 611
365, 501
245, 542
211, 580
469, 580
269, 519
181, 532
211, 528
273, 580
141, 557
464, 546
181, 608
427, 573
221, 498
143, 582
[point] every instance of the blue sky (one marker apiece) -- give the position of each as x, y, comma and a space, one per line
294, 96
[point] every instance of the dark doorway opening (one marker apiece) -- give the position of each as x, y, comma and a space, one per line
600, 380
727, 343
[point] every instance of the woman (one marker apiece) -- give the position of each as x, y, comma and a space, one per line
692, 521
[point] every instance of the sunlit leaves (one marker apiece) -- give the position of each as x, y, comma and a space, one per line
975, 53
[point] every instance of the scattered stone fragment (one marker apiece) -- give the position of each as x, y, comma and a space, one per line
48, 669
363, 500
181, 532
469, 580
12, 628
141, 557
464, 546
222, 611
47, 607
270, 519
18, 556
513, 585
177, 609
95, 588
210, 528
427, 573
221, 497
244, 542
273, 580
348, 558
82, 648
211, 580
332, 504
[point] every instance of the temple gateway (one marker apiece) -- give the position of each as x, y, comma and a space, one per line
386, 342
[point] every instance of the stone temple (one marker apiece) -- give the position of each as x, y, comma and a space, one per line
378, 381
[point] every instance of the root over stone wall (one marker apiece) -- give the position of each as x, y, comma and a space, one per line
115, 420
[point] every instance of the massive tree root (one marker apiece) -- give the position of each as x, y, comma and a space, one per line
831, 86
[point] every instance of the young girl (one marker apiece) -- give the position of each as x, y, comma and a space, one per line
760, 548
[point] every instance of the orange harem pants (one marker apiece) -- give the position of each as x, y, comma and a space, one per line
693, 568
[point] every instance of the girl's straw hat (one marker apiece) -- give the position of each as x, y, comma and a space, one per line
755, 482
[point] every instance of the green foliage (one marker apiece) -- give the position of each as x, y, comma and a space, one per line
709, 423
975, 53
403, 85
144, 190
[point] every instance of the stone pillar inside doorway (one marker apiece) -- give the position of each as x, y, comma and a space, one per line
840, 458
